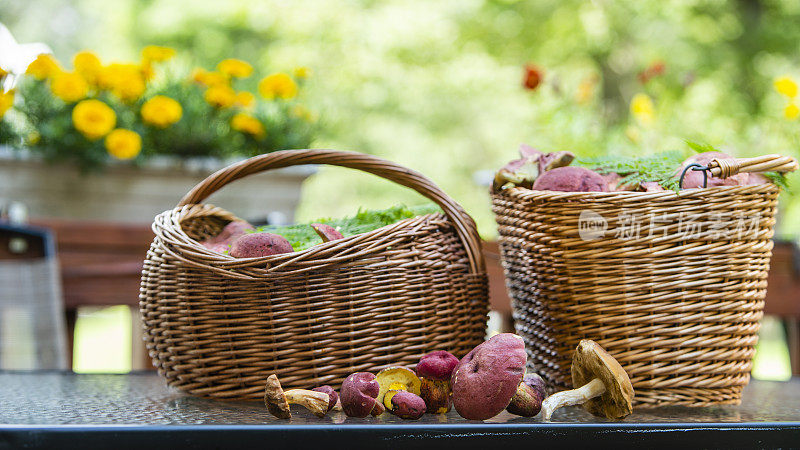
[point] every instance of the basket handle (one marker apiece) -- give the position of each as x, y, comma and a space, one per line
465, 226
724, 168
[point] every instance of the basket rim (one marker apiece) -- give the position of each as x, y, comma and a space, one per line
167, 228
522, 193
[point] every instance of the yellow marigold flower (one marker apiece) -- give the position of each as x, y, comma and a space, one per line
161, 111
6, 102
123, 144
93, 118
247, 124
124, 80
198, 74
44, 66
302, 72
69, 87
209, 79
220, 96
277, 85
235, 68
245, 99
302, 112
157, 53
88, 65
791, 112
147, 71
642, 109
786, 86
585, 91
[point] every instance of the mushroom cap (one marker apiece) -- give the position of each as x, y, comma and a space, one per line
358, 393
590, 361
326, 232
333, 397
397, 374
487, 378
275, 399
437, 365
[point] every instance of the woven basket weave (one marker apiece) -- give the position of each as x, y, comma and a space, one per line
218, 326
677, 299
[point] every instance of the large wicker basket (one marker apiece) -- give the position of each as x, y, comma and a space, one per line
671, 284
218, 326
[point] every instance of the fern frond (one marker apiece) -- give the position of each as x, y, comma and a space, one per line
660, 168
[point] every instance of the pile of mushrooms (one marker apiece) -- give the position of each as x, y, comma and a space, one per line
488, 380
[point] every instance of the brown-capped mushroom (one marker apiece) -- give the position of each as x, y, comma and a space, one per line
278, 400
605, 388
527, 402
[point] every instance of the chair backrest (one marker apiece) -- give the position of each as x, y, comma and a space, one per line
32, 324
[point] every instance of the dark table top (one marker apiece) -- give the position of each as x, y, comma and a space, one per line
62, 410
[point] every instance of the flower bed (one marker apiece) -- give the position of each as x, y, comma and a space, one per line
132, 111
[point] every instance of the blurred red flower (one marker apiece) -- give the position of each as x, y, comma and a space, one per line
533, 77
655, 69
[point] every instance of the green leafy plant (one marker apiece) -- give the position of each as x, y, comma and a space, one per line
660, 168
302, 236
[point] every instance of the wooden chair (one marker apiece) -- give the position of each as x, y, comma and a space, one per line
31, 324
101, 265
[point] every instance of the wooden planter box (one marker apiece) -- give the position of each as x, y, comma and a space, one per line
127, 194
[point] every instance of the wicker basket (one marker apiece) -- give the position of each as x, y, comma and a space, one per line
671, 284
217, 326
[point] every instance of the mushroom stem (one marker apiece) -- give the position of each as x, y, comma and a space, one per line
316, 402
590, 390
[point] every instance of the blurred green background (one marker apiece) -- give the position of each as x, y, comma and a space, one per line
437, 86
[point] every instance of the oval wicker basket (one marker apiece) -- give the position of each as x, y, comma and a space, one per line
218, 326
671, 284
